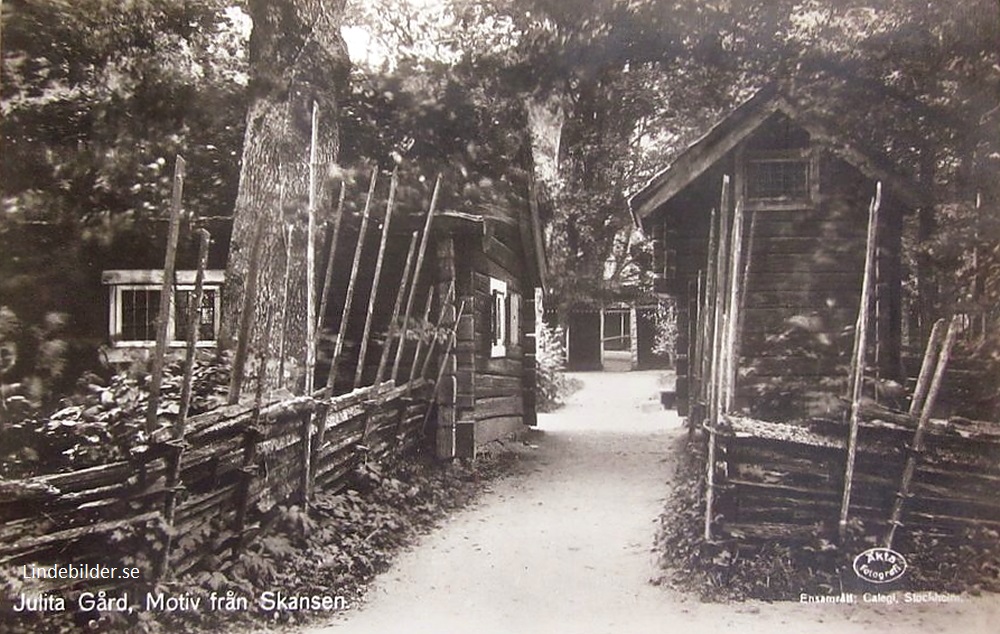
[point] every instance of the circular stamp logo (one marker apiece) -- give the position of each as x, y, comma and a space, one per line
879, 565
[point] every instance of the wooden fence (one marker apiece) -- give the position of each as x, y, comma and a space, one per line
236, 461
786, 479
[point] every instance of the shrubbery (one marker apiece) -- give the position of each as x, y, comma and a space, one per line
550, 356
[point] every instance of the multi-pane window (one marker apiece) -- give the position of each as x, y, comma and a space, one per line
777, 179
139, 310
134, 307
206, 318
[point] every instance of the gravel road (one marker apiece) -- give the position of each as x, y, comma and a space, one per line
563, 546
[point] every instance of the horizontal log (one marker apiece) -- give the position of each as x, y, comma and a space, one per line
770, 530
507, 366
217, 501
499, 406
947, 521
781, 366
82, 479
956, 427
72, 534
806, 244
809, 318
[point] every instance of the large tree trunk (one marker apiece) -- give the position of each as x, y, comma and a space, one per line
297, 56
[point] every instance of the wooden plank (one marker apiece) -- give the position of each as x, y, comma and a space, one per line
493, 407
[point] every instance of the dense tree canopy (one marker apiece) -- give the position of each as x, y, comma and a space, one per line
593, 95
97, 98
626, 85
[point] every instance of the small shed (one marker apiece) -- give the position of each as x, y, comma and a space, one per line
805, 188
617, 335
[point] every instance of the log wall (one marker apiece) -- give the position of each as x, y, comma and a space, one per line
495, 395
802, 290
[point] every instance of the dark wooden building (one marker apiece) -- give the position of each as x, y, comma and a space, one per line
619, 335
493, 255
805, 188
497, 261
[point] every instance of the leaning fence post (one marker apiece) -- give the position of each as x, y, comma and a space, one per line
284, 303
414, 285
733, 309
330, 259
177, 444
194, 319
927, 368
345, 314
376, 279
926, 407
858, 362
311, 257
698, 415
444, 364
176, 450
420, 340
442, 311
305, 481
248, 471
383, 361
246, 315
718, 330
166, 297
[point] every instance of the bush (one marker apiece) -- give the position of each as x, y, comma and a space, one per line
32, 361
550, 357
665, 343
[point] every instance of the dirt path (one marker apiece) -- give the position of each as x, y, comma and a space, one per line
565, 546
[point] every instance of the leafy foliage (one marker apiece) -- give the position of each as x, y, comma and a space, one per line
98, 97
102, 422
28, 379
550, 360
340, 543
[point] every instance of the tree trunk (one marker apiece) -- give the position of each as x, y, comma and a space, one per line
297, 56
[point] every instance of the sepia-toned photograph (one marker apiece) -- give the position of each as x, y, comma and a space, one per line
499, 316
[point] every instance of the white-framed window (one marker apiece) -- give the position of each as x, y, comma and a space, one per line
498, 318
505, 318
134, 303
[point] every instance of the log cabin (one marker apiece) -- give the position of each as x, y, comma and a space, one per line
494, 256
806, 186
